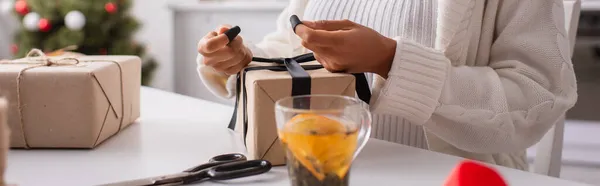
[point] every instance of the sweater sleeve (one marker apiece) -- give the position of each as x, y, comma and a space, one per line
280, 43
506, 106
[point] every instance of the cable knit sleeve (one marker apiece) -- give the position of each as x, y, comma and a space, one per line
505, 106
280, 43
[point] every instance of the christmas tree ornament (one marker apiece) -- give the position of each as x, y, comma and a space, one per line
75, 20
14, 48
6, 6
31, 21
44, 25
21, 7
110, 7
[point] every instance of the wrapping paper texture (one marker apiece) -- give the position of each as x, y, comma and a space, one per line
264, 88
4, 139
72, 105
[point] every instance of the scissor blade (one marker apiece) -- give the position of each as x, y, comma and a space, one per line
173, 179
140, 182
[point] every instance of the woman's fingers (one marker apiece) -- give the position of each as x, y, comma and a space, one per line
324, 33
235, 69
328, 62
223, 65
221, 29
330, 25
231, 66
226, 54
212, 42
237, 44
202, 43
321, 38
223, 54
217, 43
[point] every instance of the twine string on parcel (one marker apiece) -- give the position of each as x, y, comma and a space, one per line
37, 58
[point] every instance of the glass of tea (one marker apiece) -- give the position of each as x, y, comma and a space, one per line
321, 136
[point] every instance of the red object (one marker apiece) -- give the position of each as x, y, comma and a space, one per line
110, 7
14, 48
103, 51
21, 7
469, 173
44, 25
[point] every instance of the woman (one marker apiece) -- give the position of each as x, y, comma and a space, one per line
480, 79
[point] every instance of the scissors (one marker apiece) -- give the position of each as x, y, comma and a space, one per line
222, 167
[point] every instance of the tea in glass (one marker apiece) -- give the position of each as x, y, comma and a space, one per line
321, 136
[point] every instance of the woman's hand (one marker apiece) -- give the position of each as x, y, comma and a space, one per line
345, 46
224, 56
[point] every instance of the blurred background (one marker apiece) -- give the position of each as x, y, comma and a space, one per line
165, 34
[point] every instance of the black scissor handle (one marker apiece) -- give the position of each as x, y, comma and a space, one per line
203, 166
239, 169
218, 160
226, 158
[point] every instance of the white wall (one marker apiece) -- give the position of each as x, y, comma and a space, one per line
7, 28
156, 33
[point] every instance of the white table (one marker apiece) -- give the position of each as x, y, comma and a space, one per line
176, 132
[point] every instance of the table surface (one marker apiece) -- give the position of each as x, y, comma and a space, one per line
176, 132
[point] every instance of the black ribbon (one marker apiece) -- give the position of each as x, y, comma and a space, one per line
301, 83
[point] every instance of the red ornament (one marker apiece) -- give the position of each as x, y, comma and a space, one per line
469, 173
44, 25
21, 7
110, 7
14, 48
103, 51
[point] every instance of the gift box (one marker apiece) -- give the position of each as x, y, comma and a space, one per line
70, 102
265, 81
4, 139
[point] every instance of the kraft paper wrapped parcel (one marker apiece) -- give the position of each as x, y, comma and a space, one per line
261, 84
4, 139
70, 102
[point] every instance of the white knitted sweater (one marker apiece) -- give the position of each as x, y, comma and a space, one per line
496, 78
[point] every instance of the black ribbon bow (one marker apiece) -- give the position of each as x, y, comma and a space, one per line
301, 82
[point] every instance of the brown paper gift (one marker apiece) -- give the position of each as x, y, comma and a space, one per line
260, 90
61, 102
4, 139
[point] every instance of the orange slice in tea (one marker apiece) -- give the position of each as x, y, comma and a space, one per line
314, 124
321, 144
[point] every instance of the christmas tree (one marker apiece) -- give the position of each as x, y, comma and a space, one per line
96, 27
